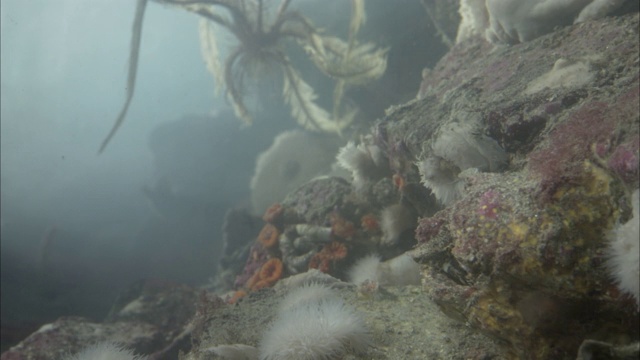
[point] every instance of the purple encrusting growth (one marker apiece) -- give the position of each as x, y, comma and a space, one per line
582, 137
569, 142
537, 229
624, 160
429, 227
489, 204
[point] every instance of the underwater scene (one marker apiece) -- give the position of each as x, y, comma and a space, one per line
320, 179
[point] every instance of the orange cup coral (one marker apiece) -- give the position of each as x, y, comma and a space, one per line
341, 227
261, 284
369, 223
267, 275
327, 256
399, 181
268, 236
273, 213
335, 250
271, 271
237, 296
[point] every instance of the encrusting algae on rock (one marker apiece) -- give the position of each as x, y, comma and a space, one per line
520, 247
505, 196
521, 251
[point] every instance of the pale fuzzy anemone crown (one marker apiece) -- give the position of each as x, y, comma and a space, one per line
105, 351
458, 147
399, 271
517, 21
624, 252
394, 221
366, 162
315, 324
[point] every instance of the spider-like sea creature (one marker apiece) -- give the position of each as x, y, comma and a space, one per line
261, 35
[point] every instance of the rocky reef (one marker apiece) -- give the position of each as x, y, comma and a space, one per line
541, 143
502, 179
520, 255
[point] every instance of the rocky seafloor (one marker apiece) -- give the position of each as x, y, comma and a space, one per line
532, 152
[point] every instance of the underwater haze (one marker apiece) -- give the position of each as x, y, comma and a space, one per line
179, 192
77, 226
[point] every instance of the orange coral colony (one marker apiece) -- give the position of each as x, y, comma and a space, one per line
267, 275
399, 181
319, 262
271, 271
341, 227
327, 256
273, 213
369, 222
237, 296
268, 236
335, 250
261, 284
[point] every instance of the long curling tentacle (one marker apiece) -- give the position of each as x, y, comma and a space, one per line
233, 91
133, 69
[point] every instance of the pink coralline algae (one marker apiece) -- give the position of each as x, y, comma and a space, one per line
596, 131
624, 161
489, 205
569, 143
429, 228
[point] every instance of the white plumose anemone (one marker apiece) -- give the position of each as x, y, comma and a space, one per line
306, 294
395, 220
366, 268
624, 252
366, 162
105, 351
314, 328
400, 271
